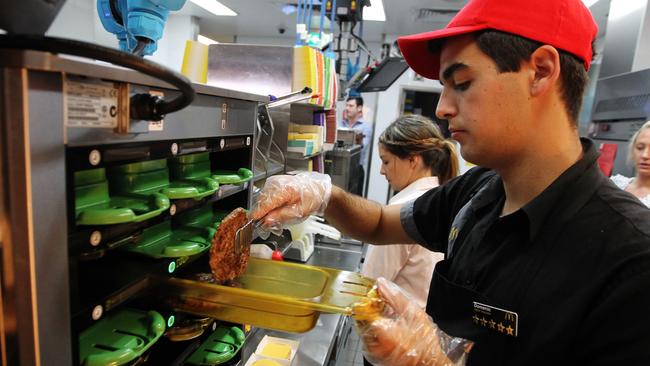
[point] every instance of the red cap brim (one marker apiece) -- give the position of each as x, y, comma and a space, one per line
424, 59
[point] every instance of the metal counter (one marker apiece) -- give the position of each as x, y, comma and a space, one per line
316, 346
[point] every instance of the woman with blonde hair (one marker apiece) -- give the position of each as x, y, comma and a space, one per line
639, 155
415, 158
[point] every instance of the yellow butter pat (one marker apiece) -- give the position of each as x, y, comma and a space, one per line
277, 350
266, 363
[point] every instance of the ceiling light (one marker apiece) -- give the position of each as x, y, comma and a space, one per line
375, 11
589, 3
215, 7
205, 40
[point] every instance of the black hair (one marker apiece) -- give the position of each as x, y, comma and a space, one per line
358, 100
508, 52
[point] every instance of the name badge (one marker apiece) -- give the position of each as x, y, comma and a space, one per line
499, 320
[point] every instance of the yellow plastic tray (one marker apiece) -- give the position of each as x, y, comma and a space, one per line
271, 294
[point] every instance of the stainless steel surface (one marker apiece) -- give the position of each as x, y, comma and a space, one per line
44, 61
342, 164
202, 120
623, 97
251, 68
623, 50
621, 106
344, 256
316, 346
35, 296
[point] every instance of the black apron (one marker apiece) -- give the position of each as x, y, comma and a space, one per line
452, 305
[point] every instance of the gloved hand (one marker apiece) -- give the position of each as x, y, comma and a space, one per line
404, 335
289, 199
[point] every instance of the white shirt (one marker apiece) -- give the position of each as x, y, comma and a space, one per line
622, 182
409, 266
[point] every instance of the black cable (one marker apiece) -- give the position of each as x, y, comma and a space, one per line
140, 47
362, 42
143, 106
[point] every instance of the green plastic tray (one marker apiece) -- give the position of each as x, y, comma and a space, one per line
191, 166
160, 241
120, 337
220, 347
153, 176
94, 205
231, 177
204, 217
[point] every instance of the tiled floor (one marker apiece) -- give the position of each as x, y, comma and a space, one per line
352, 355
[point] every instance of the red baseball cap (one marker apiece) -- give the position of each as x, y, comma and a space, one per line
564, 24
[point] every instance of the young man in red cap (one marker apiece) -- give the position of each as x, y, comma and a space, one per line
546, 261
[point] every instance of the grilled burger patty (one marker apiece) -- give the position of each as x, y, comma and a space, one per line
225, 263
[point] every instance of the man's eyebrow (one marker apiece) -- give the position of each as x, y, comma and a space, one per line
451, 69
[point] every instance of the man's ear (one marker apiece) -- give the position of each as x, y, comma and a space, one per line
545, 64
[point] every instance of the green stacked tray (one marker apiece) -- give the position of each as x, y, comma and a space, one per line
231, 177
153, 176
191, 166
219, 347
161, 241
203, 217
95, 206
120, 337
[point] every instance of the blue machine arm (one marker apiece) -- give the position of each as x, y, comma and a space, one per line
138, 24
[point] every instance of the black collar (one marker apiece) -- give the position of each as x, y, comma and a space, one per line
540, 207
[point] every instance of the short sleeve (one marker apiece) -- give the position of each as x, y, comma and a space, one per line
428, 218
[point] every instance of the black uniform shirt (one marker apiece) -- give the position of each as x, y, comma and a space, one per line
574, 264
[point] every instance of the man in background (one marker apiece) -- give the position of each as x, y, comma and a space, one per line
353, 119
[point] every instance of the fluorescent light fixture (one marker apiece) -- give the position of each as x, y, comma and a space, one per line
215, 7
589, 3
205, 40
621, 8
375, 11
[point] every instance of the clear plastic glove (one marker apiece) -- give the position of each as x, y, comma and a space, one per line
289, 199
402, 334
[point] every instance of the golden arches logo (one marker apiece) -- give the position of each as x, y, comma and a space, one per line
453, 234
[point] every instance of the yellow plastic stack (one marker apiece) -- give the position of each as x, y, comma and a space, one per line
305, 139
195, 62
313, 69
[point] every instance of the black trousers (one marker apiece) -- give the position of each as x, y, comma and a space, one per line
366, 363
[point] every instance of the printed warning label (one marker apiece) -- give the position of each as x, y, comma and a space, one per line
90, 105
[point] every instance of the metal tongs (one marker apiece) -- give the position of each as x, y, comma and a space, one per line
244, 235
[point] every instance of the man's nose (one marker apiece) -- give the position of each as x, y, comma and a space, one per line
446, 108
